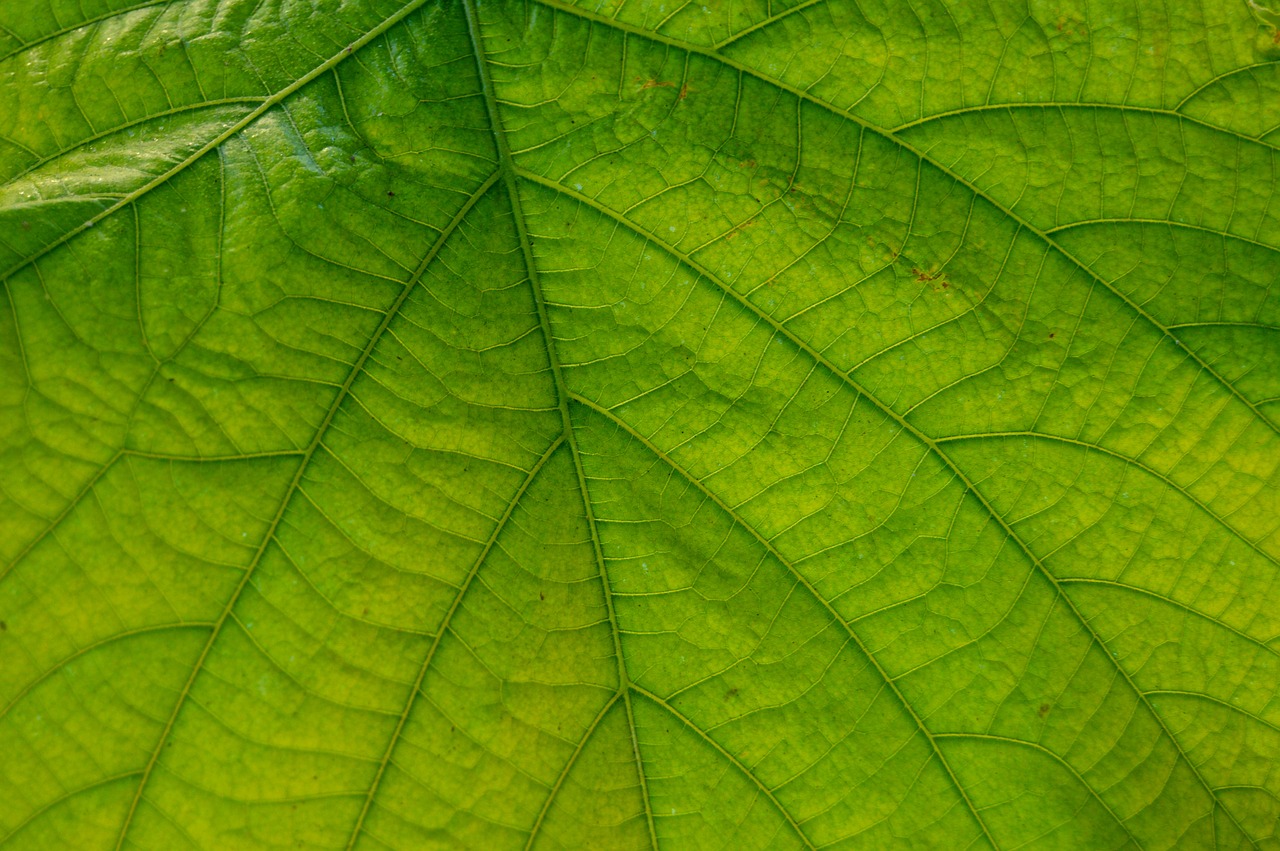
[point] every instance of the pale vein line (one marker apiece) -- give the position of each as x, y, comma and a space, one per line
767, 22
1253, 326
509, 177
440, 632
356, 369
1113, 107
1168, 223
209, 459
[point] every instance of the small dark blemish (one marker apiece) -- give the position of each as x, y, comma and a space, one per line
1044, 709
390, 194
541, 596
4, 627
1052, 334
733, 692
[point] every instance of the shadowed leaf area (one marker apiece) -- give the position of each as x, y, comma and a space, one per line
635, 424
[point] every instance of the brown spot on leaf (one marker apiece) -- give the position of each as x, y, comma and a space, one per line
1052, 334
749, 223
541, 596
733, 692
928, 276
1044, 710
655, 84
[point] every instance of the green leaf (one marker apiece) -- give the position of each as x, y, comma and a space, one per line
758, 425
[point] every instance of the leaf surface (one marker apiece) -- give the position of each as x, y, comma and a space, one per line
525, 424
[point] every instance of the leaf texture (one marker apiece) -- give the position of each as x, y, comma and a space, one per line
523, 424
